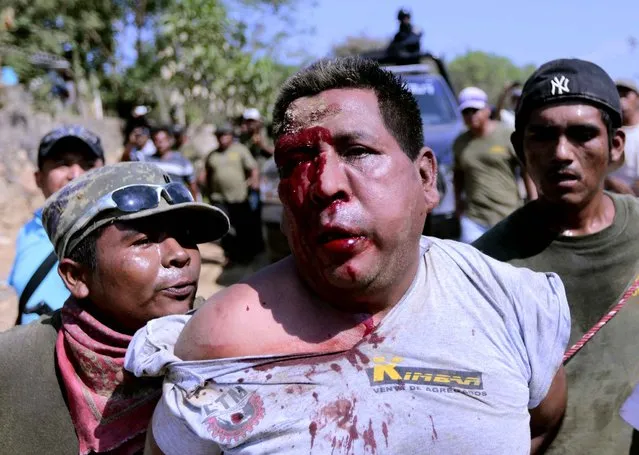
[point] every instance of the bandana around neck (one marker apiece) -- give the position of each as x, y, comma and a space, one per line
110, 408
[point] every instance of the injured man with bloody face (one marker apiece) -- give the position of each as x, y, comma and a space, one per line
369, 337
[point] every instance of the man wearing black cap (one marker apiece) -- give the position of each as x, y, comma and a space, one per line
568, 133
64, 154
625, 180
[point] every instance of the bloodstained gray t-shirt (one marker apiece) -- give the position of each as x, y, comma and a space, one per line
454, 367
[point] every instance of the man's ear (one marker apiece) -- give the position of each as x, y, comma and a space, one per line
427, 167
39, 177
617, 157
75, 277
517, 140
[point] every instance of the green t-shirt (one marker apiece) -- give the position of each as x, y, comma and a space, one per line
490, 183
227, 173
595, 269
258, 153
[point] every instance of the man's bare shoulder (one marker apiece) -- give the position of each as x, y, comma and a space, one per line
239, 320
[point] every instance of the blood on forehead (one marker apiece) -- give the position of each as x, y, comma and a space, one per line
301, 139
306, 112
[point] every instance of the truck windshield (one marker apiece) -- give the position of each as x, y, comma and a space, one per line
434, 103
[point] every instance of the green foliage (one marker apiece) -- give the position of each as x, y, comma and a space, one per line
206, 61
487, 71
68, 29
354, 45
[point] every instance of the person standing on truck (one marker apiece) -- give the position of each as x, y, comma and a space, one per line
485, 168
64, 154
407, 40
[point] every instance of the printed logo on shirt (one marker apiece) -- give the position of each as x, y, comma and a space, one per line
498, 150
390, 373
231, 412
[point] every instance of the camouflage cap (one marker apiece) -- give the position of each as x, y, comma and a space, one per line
63, 209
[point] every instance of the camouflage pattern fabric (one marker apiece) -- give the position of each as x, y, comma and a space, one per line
63, 209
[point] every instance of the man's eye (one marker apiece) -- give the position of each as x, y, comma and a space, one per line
584, 135
541, 135
292, 160
356, 151
142, 241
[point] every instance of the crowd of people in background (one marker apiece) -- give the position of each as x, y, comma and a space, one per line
228, 176
530, 319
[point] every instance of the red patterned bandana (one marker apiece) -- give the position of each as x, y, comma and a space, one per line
110, 408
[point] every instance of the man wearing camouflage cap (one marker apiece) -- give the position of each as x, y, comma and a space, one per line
127, 242
64, 154
568, 132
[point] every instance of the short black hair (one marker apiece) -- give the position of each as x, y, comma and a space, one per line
610, 129
399, 109
86, 252
166, 129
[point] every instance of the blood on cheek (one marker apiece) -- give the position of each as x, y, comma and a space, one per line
299, 154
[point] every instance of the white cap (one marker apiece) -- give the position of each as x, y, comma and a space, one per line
139, 111
472, 97
251, 114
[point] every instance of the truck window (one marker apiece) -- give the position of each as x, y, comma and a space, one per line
434, 103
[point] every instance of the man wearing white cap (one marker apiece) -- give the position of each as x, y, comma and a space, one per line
254, 137
485, 168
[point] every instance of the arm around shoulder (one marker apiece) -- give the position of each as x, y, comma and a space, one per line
222, 326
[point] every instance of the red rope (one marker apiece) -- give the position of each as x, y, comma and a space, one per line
603, 321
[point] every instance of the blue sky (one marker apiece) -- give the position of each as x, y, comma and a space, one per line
532, 31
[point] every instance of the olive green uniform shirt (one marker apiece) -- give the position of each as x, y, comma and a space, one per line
34, 418
228, 172
489, 164
595, 269
256, 151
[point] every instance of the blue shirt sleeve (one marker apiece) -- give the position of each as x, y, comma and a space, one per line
32, 248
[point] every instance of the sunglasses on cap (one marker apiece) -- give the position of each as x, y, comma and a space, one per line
127, 199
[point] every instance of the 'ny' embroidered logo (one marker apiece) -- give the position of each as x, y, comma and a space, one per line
559, 85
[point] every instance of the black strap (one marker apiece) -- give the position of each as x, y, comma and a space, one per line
34, 282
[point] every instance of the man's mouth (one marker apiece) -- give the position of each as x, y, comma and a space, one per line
181, 290
563, 177
335, 234
342, 241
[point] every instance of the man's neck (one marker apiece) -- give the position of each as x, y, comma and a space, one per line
375, 300
485, 129
573, 221
164, 155
632, 119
